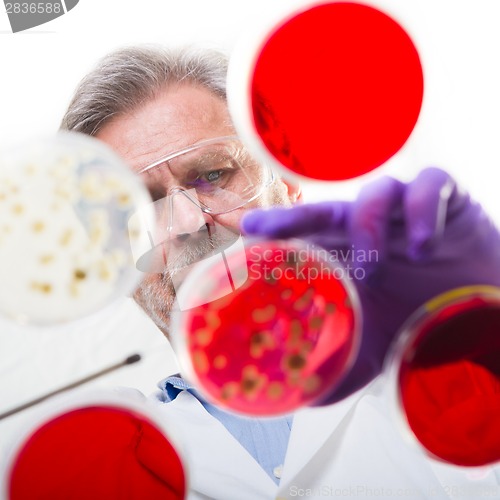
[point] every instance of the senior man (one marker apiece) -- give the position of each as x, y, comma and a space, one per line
165, 113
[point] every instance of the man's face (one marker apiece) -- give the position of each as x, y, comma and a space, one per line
180, 116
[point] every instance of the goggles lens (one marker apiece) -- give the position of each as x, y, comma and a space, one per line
220, 171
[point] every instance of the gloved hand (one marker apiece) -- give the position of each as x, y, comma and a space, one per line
429, 237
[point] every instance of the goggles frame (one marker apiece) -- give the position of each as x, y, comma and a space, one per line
206, 142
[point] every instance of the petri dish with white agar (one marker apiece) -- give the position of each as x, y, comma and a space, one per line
65, 237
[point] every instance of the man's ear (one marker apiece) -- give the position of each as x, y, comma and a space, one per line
294, 191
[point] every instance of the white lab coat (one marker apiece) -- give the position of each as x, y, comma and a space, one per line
352, 449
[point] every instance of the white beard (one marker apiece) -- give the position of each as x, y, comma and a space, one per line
157, 293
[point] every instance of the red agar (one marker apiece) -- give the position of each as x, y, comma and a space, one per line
336, 91
280, 341
97, 452
450, 384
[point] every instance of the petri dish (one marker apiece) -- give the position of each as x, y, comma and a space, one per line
327, 90
103, 449
272, 327
445, 377
65, 237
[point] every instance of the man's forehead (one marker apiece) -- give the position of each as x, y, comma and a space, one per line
177, 117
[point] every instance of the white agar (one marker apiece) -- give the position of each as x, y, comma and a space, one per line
65, 249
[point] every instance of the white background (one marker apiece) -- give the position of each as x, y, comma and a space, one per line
459, 129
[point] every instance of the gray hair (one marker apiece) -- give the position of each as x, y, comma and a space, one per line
130, 76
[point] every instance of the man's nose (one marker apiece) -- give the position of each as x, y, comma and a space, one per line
187, 220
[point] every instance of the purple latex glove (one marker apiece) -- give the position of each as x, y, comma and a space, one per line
429, 235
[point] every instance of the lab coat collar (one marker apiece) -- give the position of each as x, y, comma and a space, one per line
224, 466
304, 436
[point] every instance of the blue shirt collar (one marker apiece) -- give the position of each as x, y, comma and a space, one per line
172, 386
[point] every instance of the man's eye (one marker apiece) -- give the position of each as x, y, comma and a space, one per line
213, 176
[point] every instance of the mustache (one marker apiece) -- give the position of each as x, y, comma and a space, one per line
197, 250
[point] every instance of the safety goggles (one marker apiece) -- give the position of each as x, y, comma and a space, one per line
214, 176
218, 175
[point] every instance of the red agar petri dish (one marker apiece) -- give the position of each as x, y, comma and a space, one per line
447, 372
97, 452
329, 92
281, 338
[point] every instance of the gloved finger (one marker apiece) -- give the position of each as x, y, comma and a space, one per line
370, 219
425, 206
298, 221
